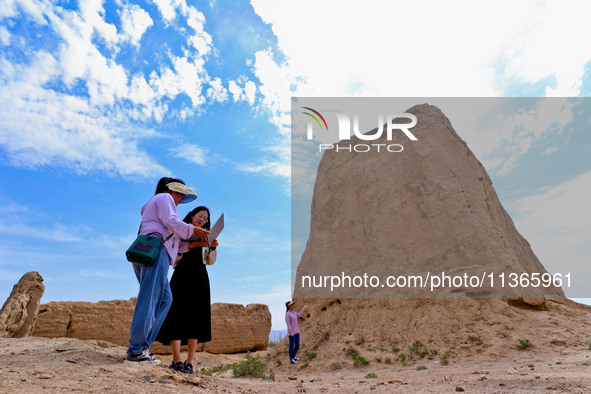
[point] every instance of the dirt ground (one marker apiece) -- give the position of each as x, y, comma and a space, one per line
35, 364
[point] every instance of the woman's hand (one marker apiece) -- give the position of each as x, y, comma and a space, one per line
215, 244
196, 244
200, 232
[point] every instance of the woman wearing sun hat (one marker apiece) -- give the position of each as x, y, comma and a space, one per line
293, 329
159, 215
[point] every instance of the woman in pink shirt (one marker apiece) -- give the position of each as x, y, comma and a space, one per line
293, 329
159, 216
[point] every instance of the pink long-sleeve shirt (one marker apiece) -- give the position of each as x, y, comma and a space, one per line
291, 318
160, 215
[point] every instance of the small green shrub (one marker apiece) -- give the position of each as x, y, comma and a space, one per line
360, 360
421, 367
251, 366
524, 344
335, 366
311, 355
378, 359
278, 362
371, 375
445, 361
221, 367
352, 352
395, 349
357, 358
387, 360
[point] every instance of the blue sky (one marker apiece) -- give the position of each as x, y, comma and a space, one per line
99, 99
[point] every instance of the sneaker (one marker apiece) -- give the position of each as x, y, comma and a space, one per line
144, 357
294, 361
178, 366
296, 358
188, 368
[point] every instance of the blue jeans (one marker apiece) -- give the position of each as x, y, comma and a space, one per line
153, 302
294, 345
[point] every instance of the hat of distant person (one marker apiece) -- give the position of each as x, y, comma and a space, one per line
289, 303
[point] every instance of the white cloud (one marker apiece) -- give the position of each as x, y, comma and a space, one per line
8, 9
81, 59
57, 233
186, 78
167, 9
4, 36
250, 90
276, 87
140, 92
216, 91
32, 8
80, 137
421, 49
191, 153
85, 124
195, 19
543, 50
499, 137
15, 222
134, 22
389, 48
427, 48
276, 161
246, 92
235, 90
190, 78
556, 223
200, 40
519, 131
271, 167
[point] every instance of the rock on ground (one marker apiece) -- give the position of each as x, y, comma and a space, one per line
19, 313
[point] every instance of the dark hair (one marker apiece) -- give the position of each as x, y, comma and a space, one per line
161, 186
287, 306
189, 217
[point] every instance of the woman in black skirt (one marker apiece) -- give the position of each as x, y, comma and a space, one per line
189, 318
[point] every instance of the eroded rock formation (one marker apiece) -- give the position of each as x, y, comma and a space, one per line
235, 328
19, 313
429, 210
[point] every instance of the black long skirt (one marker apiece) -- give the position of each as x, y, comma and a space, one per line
190, 313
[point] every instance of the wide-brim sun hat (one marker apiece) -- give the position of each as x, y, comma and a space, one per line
188, 193
289, 303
